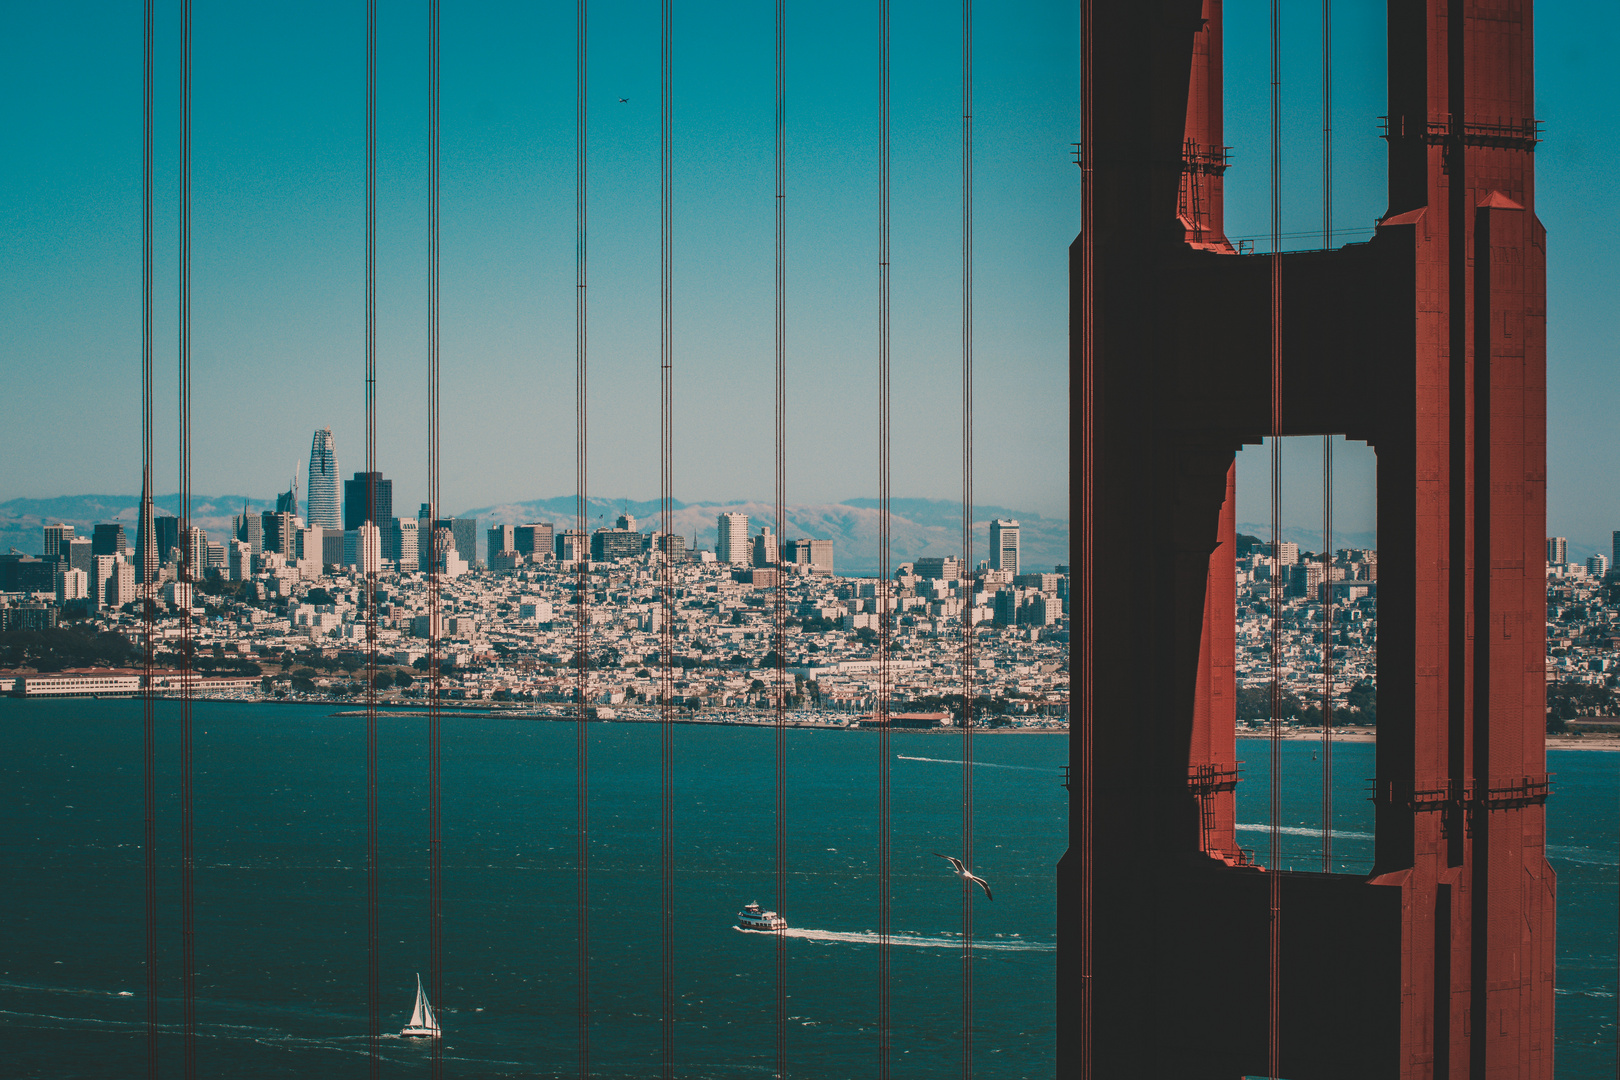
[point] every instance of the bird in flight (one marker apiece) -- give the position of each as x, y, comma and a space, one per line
967, 875
624, 101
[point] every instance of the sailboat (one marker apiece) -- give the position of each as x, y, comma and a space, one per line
424, 1024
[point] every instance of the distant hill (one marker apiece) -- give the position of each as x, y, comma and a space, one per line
22, 521
920, 527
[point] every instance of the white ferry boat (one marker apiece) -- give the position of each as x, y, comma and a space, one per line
752, 918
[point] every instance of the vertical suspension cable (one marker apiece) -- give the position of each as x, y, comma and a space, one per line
666, 817
781, 520
148, 565
1327, 462
373, 866
188, 928
1274, 936
967, 533
580, 553
1327, 654
1088, 527
435, 819
884, 620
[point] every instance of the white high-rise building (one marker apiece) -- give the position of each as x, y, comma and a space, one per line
370, 549
1558, 549
1004, 545
321, 497
407, 543
731, 543
74, 584
1597, 566
197, 553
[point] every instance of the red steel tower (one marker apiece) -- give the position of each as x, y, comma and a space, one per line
1438, 964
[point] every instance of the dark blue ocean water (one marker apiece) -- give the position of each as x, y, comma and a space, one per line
281, 894
281, 887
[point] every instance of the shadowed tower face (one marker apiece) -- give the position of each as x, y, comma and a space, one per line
321, 497
1440, 962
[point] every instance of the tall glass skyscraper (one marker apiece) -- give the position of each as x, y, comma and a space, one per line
321, 497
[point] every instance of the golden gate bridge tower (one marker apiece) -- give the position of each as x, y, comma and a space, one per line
1176, 958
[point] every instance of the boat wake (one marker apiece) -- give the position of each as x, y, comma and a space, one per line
1295, 830
866, 937
977, 764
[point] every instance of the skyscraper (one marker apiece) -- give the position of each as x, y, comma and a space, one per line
109, 539
731, 541
1558, 549
355, 495
321, 496
56, 540
1004, 545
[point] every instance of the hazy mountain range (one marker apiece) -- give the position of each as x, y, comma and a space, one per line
918, 527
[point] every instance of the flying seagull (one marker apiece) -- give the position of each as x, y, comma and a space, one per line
624, 101
967, 875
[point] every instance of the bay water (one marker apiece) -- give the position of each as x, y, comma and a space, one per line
281, 892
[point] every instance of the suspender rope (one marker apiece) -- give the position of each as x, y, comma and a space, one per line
580, 553
781, 488
885, 621
148, 567
373, 867
1327, 462
667, 728
188, 928
967, 533
1274, 943
435, 644
1088, 529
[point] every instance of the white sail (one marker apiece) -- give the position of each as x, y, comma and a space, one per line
422, 1022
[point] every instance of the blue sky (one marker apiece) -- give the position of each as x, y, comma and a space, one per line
278, 227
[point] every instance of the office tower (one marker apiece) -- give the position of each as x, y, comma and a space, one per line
816, 554
277, 528
501, 538
77, 552
239, 560
765, 551
309, 549
1597, 566
611, 545
1557, 551
71, 584
120, 585
948, 568
370, 549
196, 553
109, 539
731, 540
56, 539
355, 494
534, 540
321, 495
167, 531
572, 546
464, 534
626, 523
1004, 545
1615, 560
102, 568
407, 547
216, 556
287, 501
671, 545
249, 528
146, 550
